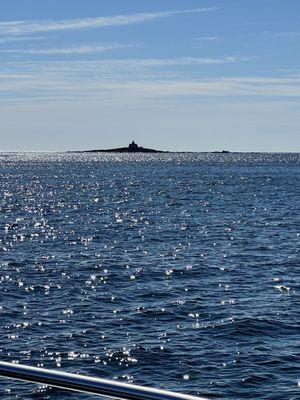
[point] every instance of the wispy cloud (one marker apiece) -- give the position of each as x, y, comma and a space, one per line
133, 79
10, 39
207, 38
267, 34
224, 87
81, 49
288, 35
161, 62
115, 64
30, 27
204, 41
129, 69
123, 81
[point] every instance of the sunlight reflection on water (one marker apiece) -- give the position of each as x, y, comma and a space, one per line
172, 270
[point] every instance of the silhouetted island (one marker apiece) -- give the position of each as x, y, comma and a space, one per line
132, 148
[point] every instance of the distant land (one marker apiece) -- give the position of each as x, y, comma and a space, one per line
133, 148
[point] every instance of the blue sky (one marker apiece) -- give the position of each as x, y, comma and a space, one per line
177, 75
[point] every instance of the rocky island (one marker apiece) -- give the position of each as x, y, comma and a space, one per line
134, 148
131, 148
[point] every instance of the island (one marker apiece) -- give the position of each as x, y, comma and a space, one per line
131, 148
134, 148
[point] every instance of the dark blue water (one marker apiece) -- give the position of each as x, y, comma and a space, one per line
177, 271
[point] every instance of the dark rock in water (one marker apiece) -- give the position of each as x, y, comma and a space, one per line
132, 148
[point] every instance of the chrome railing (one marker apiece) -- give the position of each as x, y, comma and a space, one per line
86, 384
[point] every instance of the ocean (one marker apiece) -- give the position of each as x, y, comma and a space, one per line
179, 271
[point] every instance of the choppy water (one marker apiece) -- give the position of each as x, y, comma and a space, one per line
173, 270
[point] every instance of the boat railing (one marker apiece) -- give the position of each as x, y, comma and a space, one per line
87, 384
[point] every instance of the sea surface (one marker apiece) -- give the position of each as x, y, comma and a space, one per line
179, 271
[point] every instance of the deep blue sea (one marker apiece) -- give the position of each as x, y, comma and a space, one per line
179, 271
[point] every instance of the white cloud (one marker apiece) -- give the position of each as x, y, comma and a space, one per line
81, 49
137, 80
205, 41
288, 35
163, 62
138, 67
108, 69
11, 39
90, 78
207, 38
30, 27
143, 92
218, 87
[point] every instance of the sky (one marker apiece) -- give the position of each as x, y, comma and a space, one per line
192, 75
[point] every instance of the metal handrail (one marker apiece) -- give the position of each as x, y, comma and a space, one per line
86, 384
